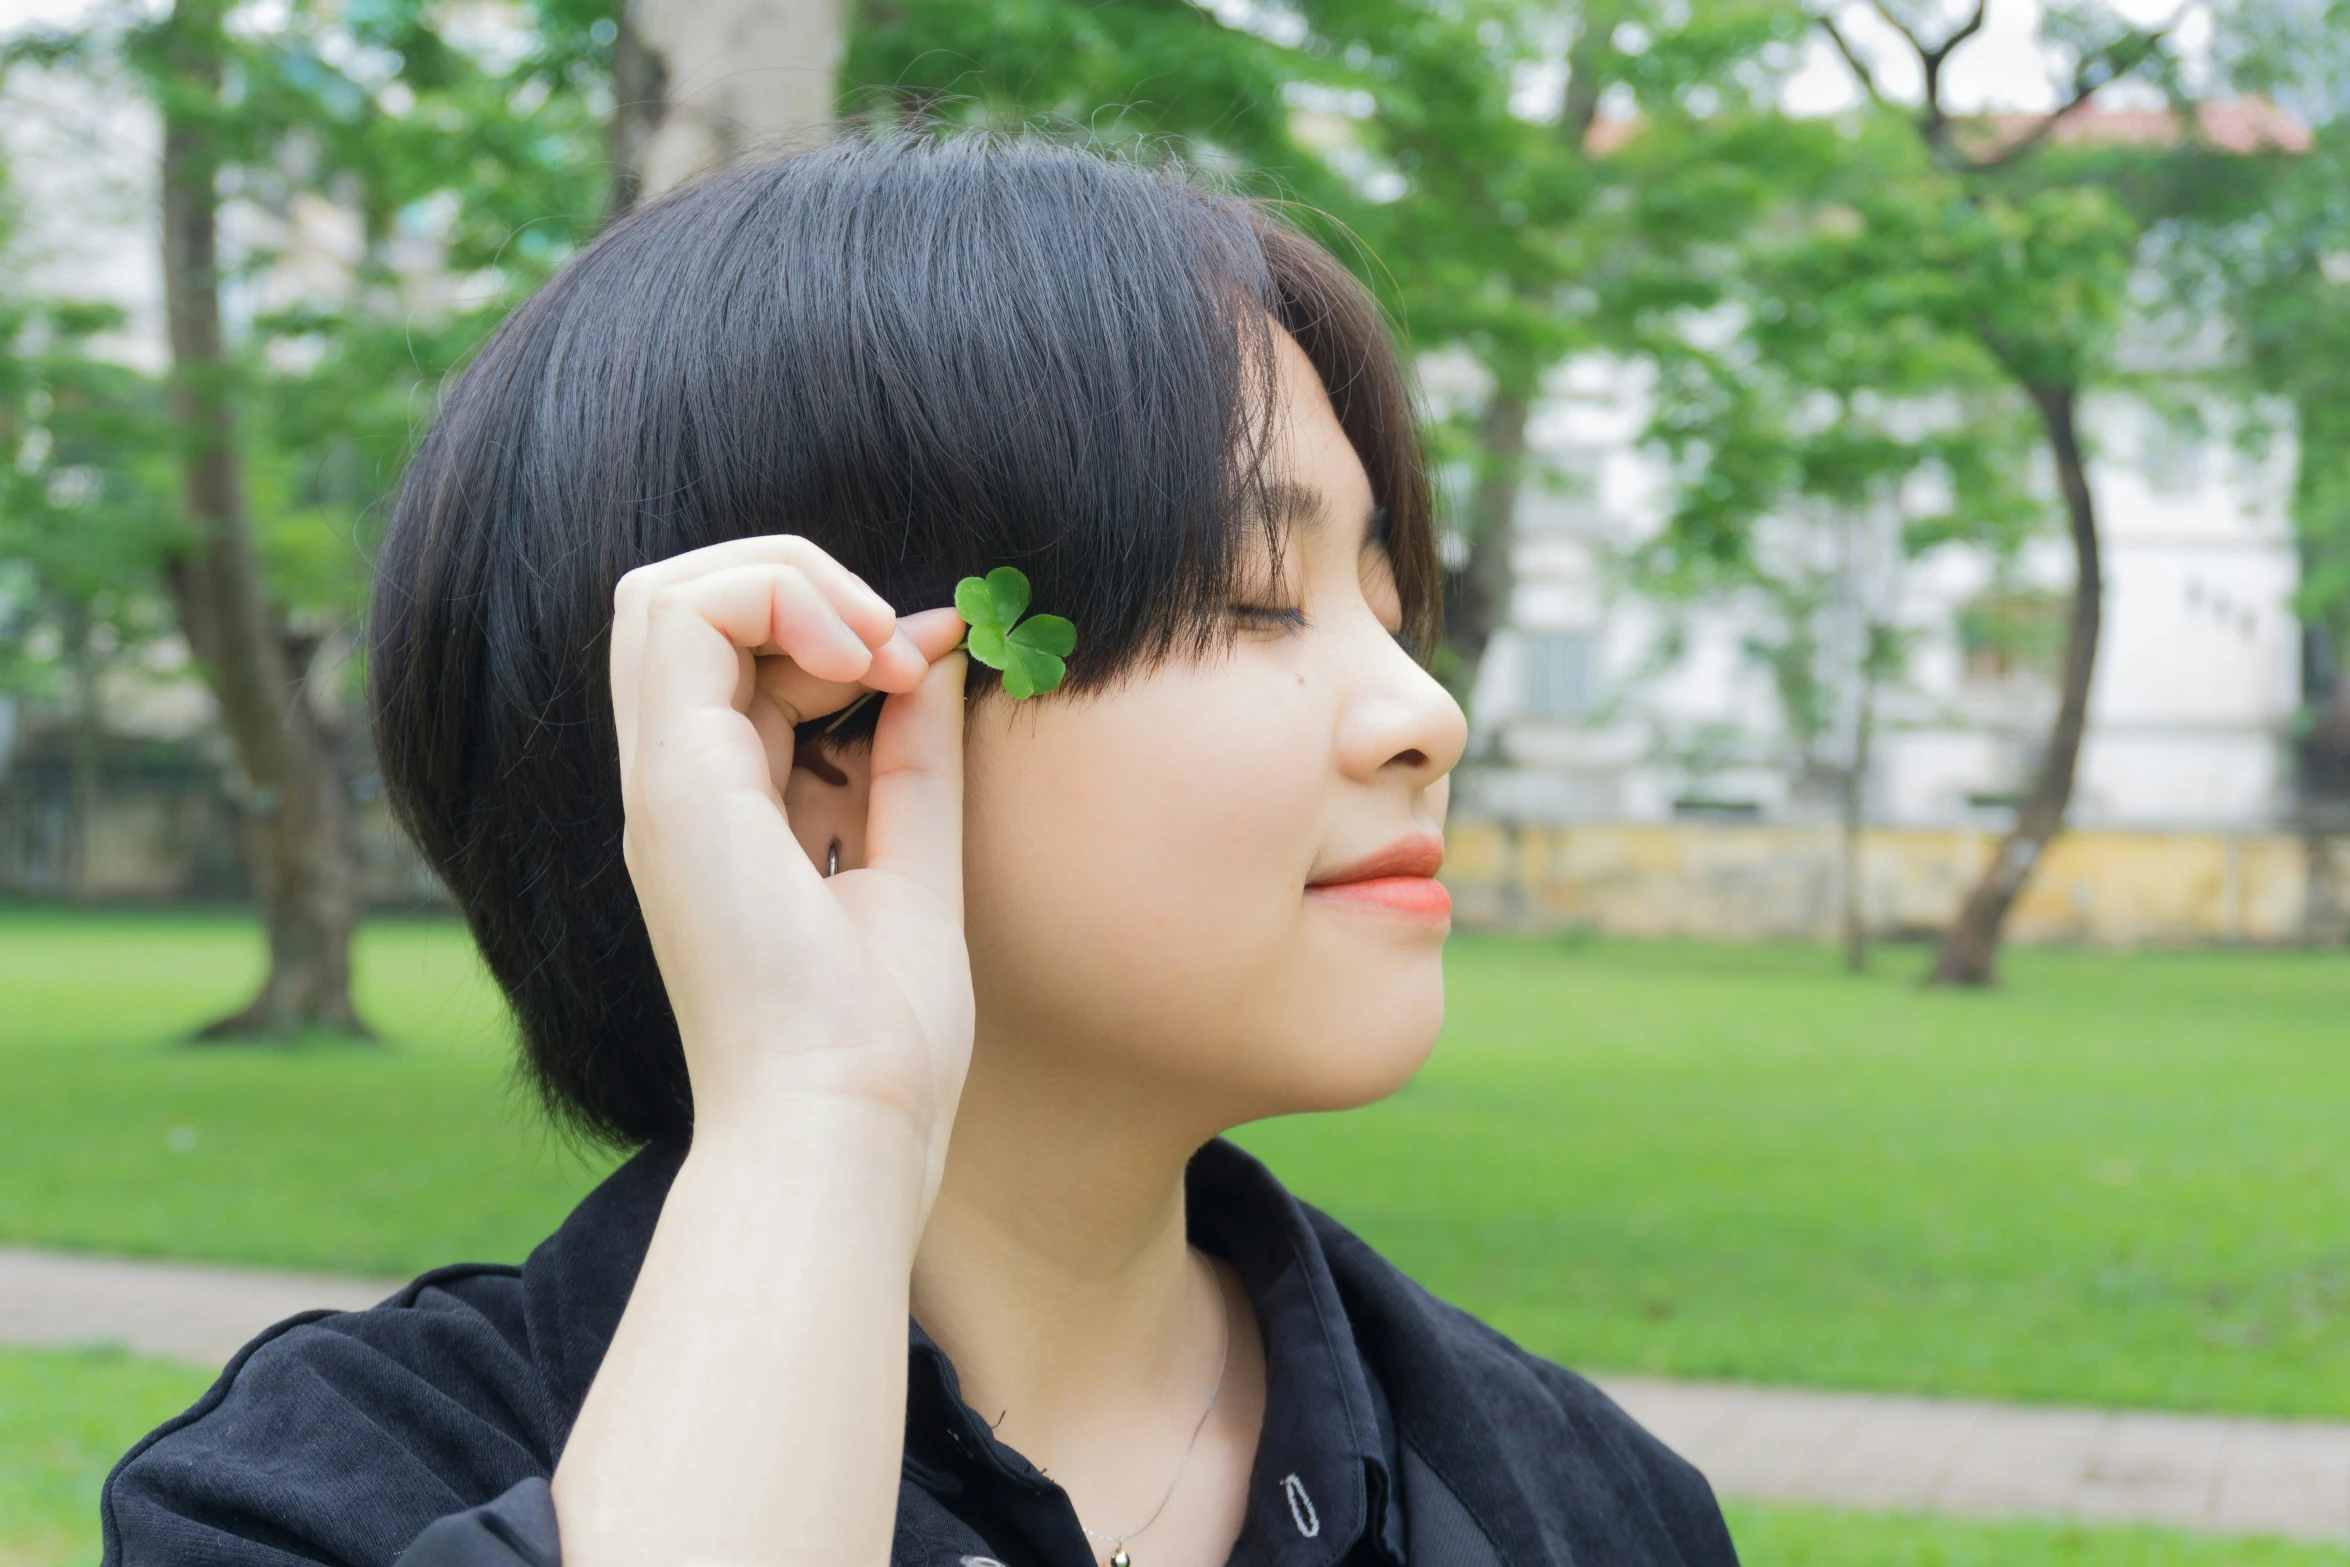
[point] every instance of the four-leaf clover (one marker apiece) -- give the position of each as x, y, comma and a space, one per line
1029, 652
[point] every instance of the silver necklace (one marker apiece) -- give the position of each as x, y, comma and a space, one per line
1117, 1542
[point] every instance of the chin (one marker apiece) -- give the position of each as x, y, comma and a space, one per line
1359, 1035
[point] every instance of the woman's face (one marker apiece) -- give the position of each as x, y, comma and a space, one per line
1210, 879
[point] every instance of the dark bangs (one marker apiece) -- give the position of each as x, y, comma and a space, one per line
930, 357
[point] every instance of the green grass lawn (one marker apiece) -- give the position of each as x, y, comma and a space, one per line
1825, 1537
2121, 1179
385, 1159
65, 1417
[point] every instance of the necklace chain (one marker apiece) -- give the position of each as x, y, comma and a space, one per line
1117, 1542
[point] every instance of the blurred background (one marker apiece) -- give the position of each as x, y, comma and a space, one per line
1895, 475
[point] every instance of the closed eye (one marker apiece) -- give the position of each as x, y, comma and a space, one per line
1267, 617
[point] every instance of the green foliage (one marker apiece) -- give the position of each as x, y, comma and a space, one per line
1831, 415
1030, 652
1442, 150
2015, 630
85, 507
426, 179
2281, 274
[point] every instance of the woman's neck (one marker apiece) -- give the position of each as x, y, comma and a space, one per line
1056, 1273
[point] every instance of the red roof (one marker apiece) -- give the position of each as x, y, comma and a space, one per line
2239, 125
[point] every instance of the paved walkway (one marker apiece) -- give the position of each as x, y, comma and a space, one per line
2211, 1472
189, 1311
1879, 1451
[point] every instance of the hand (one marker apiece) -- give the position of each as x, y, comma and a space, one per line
787, 985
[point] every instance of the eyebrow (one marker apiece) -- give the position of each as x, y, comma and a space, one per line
1289, 505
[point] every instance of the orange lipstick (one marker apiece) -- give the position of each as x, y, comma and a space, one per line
1399, 880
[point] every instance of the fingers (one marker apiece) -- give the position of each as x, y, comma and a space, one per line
798, 696
812, 609
933, 633
819, 634
914, 814
866, 611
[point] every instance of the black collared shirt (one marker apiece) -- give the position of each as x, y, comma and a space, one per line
422, 1432
1322, 1493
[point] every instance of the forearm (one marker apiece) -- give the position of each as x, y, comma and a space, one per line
751, 1408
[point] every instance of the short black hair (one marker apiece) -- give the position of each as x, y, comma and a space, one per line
929, 355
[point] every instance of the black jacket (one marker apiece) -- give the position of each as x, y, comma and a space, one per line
342, 1437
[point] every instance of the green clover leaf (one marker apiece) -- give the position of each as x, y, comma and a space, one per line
1030, 652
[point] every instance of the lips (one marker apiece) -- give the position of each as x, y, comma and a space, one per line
1398, 880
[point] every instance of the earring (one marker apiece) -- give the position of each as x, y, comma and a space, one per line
832, 859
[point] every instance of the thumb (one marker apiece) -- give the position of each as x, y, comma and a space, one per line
914, 814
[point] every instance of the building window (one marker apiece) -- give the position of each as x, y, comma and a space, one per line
2170, 452
1558, 674
2018, 633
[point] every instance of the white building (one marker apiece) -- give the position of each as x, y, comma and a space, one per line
1596, 704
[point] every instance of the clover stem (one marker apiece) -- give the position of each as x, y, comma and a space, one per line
846, 713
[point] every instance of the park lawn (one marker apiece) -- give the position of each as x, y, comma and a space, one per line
1828, 1537
383, 1159
2119, 1180
65, 1416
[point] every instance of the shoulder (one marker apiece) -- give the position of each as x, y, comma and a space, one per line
1551, 1466
339, 1436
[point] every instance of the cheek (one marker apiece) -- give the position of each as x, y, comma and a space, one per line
1142, 854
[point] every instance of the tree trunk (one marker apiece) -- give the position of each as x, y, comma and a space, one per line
2323, 781
1852, 807
640, 95
697, 84
1477, 596
1969, 951
303, 851
81, 785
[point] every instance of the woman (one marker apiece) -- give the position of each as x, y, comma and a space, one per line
927, 1008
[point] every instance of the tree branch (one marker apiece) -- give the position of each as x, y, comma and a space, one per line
1931, 61
1582, 100
2093, 74
1967, 29
1898, 25
1852, 59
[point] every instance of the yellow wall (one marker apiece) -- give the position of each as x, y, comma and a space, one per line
1755, 879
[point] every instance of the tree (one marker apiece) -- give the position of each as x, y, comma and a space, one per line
2039, 242
444, 167
1455, 154
697, 83
1838, 428
78, 498
1526, 228
2266, 248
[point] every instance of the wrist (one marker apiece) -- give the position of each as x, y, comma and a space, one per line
838, 1147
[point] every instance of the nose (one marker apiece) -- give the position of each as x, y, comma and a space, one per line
1399, 725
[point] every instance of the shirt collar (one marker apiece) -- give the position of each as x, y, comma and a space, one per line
1324, 1469
1326, 1457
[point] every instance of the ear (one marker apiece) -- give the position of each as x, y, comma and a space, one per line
825, 797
